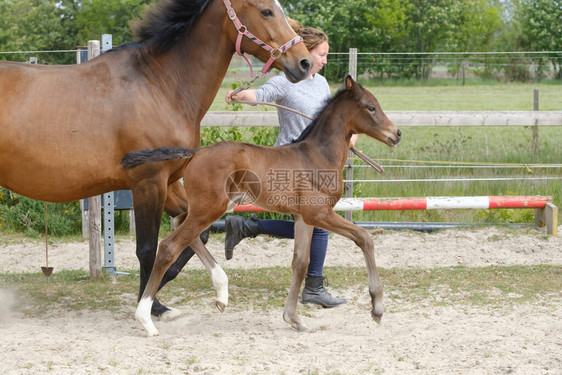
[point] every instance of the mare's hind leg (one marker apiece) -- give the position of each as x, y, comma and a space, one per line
169, 250
301, 258
327, 219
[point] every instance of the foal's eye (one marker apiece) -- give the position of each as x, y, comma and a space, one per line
267, 13
370, 108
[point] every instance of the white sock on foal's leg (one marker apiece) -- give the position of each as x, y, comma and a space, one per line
142, 315
220, 282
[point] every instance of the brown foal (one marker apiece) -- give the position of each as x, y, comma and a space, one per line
303, 179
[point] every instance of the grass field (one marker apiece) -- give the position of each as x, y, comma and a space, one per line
449, 96
421, 147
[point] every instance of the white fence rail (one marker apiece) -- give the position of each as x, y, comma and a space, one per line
405, 118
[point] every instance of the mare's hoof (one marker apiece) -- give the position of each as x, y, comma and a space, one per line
221, 306
148, 325
170, 314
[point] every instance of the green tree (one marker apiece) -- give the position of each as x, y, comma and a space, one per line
30, 25
474, 28
97, 17
542, 25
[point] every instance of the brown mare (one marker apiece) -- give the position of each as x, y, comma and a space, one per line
64, 129
303, 179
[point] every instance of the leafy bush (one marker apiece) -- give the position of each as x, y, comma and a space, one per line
21, 214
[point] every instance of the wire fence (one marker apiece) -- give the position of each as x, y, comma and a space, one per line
391, 66
507, 66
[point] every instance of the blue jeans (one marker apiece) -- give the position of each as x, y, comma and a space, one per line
286, 229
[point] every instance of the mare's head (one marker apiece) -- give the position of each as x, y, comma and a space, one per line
368, 117
256, 27
266, 20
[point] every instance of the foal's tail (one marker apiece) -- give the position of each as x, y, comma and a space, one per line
136, 158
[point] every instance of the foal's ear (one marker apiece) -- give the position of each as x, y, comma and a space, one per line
349, 82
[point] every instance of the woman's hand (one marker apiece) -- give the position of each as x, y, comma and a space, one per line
242, 96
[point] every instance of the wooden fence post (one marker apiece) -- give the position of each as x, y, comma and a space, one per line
350, 155
94, 203
95, 236
535, 144
82, 57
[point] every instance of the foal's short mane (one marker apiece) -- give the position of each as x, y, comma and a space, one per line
166, 22
329, 102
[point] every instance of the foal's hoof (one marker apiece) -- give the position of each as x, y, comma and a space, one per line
296, 323
170, 314
301, 327
221, 306
376, 316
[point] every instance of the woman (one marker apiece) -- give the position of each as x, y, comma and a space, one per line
307, 96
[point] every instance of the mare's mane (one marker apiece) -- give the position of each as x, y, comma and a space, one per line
329, 102
166, 22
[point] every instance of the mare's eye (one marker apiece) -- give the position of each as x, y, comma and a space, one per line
267, 13
370, 108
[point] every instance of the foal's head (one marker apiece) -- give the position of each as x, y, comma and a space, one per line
266, 20
369, 117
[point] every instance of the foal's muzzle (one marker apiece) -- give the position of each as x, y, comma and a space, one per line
393, 141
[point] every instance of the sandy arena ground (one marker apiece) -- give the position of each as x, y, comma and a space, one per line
412, 339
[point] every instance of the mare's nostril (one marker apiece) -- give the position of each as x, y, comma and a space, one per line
305, 65
399, 134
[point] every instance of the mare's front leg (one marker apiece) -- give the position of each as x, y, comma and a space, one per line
148, 201
301, 258
327, 219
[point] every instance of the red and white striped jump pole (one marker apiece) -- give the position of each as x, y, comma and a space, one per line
429, 203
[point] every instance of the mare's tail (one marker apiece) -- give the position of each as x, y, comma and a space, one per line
136, 158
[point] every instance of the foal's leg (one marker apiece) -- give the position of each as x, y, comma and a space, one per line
301, 258
218, 276
176, 206
169, 250
329, 220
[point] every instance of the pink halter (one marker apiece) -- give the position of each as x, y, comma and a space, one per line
243, 30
